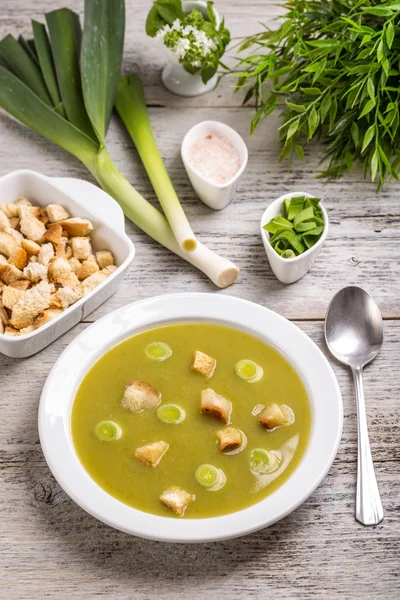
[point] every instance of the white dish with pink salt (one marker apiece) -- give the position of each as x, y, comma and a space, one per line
214, 156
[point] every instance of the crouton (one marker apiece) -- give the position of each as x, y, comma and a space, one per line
88, 267
93, 281
30, 305
229, 439
44, 217
59, 266
45, 317
11, 296
203, 364
151, 454
68, 251
75, 264
53, 234
19, 258
14, 222
104, 258
17, 235
216, 405
71, 280
63, 298
8, 243
177, 499
35, 272
22, 201
32, 248
4, 221
140, 396
26, 330
81, 248
32, 228
21, 284
77, 227
3, 315
11, 331
272, 416
10, 210
25, 211
9, 273
46, 254
109, 270
3, 260
56, 213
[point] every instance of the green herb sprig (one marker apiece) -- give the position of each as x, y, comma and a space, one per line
333, 67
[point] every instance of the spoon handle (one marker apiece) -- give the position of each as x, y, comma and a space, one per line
369, 509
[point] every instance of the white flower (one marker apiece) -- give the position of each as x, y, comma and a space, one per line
196, 63
188, 29
181, 47
176, 25
163, 31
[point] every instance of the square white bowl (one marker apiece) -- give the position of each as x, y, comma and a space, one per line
81, 199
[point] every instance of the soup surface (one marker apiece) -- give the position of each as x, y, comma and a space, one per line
192, 442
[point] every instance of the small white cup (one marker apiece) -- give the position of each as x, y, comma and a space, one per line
215, 195
289, 270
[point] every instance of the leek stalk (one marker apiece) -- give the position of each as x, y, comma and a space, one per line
131, 107
76, 116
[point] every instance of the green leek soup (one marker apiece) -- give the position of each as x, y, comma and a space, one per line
108, 451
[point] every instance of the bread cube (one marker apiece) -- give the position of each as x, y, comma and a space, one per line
229, 438
21, 284
151, 454
272, 416
30, 305
35, 272
9, 273
4, 221
177, 499
10, 296
56, 213
32, 248
216, 405
93, 281
109, 270
32, 228
77, 227
53, 234
88, 267
8, 243
204, 364
10, 210
140, 396
46, 254
104, 258
19, 258
81, 248
46, 316
63, 298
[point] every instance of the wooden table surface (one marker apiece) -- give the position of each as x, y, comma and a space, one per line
50, 548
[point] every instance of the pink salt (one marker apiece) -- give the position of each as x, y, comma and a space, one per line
214, 157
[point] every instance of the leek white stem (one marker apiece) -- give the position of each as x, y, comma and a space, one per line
221, 271
131, 106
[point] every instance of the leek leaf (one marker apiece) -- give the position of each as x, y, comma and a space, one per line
46, 63
24, 67
17, 99
22, 41
101, 57
64, 29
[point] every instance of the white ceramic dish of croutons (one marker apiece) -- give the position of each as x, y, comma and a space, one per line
85, 201
59, 393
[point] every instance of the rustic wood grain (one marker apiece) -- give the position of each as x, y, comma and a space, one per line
49, 547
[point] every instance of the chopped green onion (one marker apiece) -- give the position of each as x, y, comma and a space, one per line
249, 370
171, 414
210, 477
108, 431
288, 254
263, 462
301, 228
158, 351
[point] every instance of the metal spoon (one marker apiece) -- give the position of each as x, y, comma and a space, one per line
354, 335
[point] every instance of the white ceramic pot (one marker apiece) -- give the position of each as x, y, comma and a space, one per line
292, 269
174, 77
81, 199
215, 195
310, 363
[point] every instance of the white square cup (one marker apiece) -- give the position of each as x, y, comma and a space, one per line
81, 199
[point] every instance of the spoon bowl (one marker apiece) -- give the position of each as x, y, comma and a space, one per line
353, 327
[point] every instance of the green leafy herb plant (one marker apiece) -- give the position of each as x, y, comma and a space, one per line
333, 68
198, 41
